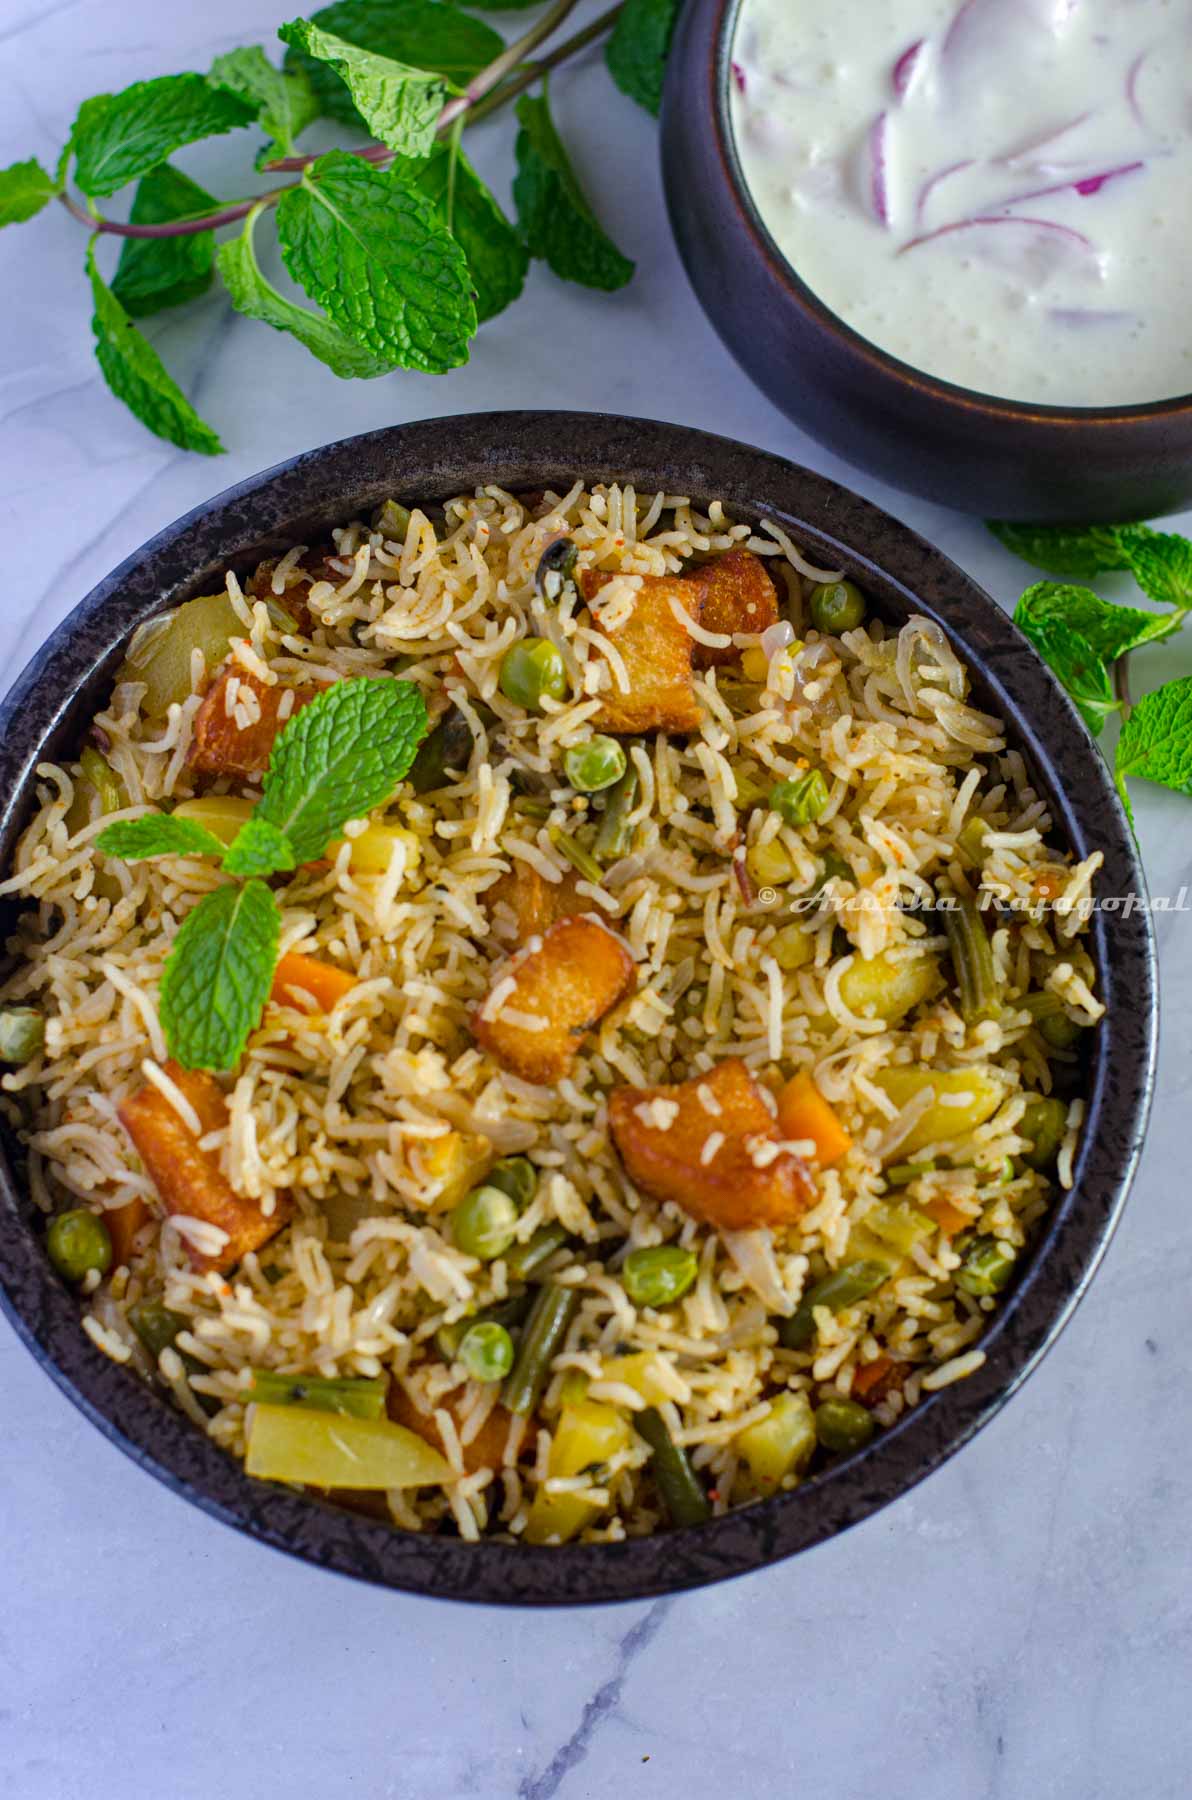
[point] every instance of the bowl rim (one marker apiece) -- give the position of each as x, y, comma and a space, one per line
57, 689
965, 400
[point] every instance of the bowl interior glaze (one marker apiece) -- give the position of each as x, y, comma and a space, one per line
44, 715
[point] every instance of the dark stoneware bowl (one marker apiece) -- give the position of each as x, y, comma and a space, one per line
964, 449
46, 712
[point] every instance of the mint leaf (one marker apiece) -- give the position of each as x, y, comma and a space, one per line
259, 848
117, 137
1080, 668
1156, 740
218, 975
423, 33
379, 261
255, 297
339, 757
497, 258
283, 103
157, 834
154, 273
636, 52
556, 221
1160, 562
1108, 630
1066, 549
135, 373
24, 190
399, 104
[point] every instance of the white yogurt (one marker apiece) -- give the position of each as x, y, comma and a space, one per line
999, 192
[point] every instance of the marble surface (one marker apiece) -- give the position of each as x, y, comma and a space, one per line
1021, 1625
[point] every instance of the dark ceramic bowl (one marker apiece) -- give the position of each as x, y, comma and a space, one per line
47, 710
995, 457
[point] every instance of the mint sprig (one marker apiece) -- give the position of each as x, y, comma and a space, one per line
136, 374
118, 137
556, 220
283, 102
157, 272
1080, 637
399, 104
638, 49
423, 33
339, 757
1156, 740
24, 189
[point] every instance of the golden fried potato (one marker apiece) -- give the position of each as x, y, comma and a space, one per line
704, 1159
736, 594
656, 648
578, 973
220, 746
487, 1448
534, 903
187, 1178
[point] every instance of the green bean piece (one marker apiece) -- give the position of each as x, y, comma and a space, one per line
486, 1351
556, 567
972, 959
971, 840
750, 791
515, 1176
986, 1268
1059, 1031
526, 1259
900, 1175
22, 1033
104, 779
532, 670
531, 807
1044, 1123
393, 521
579, 858
678, 1486
843, 1288
595, 765
510, 1313
449, 746
836, 606
615, 835
362, 1397
78, 1242
156, 1326
659, 1275
484, 1222
801, 801
1044, 1005
542, 1339
843, 1425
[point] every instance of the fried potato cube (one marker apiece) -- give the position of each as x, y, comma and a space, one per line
188, 1178
713, 1153
560, 991
485, 1451
656, 649
736, 594
222, 746
532, 902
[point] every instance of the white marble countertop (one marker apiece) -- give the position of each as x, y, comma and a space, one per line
1020, 1625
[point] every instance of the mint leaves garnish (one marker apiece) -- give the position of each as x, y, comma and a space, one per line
1080, 637
1156, 740
335, 760
401, 246
1085, 550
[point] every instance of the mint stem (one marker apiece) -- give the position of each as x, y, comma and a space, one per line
1121, 685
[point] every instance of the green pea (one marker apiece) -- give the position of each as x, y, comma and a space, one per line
515, 1176
659, 1276
801, 801
22, 1034
1061, 1032
842, 1425
486, 1351
1044, 1123
484, 1223
598, 764
837, 606
78, 1242
532, 671
986, 1268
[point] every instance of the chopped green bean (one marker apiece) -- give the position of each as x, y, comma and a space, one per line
986, 1268
843, 1288
843, 1425
362, 1397
104, 779
546, 1328
678, 1486
615, 835
531, 806
1059, 1031
900, 1175
393, 521
79, 1242
971, 840
22, 1034
515, 1176
524, 1260
972, 959
579, 858
1043, 1123
483, 1223
486, 1351
750, 791
801, 801
660, 1275
592, 766
1044, 1005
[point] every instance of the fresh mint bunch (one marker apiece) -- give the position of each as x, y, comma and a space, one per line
335, 760
399, 243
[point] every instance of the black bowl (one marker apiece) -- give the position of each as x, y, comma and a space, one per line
995, 457
45, 713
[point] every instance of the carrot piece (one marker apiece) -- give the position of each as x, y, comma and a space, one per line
804, 1113
219, 746
298, 976
562, 989
188, 1178
949, 1218
485, 1451
736, 594
873, 1381
655, 648
707, 1147
123, 1223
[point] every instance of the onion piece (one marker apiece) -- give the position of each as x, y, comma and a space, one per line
1029, 145
879, 195
1078, 317
1132, 76
753, 1253
739, 77
981, 220
904, 70
932, 182
777, 637
1084, 185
